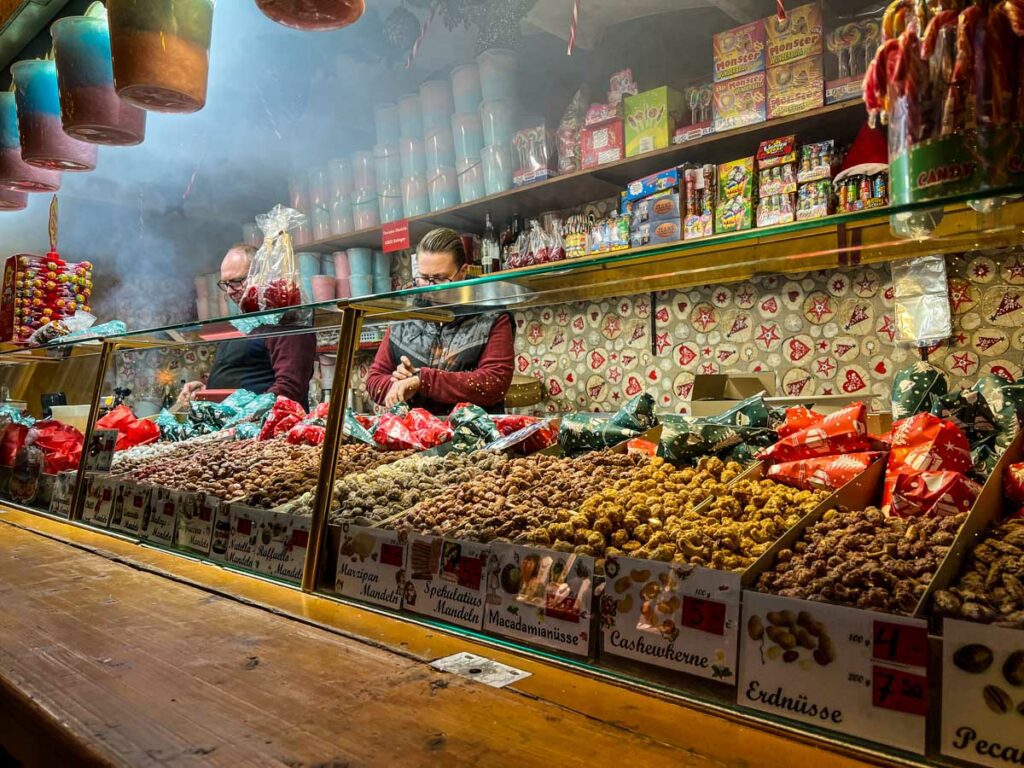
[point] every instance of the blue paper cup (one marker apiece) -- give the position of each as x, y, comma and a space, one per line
413, 157
468, 134
466, 88
415, 200
410, 116
361, 285
443, 189
360, 261
327, 265
499, 72
471, 179
497, 167
439, 148
499, 120
382, 284
309, 264
391, 203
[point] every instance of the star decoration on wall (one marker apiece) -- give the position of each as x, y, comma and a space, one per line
821, 307
661, 342
963, 362
768, 335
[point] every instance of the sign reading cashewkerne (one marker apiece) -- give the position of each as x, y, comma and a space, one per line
862, 673
982, 693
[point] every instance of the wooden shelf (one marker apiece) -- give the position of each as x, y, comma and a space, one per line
837, 121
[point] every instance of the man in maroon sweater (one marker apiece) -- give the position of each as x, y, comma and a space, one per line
438, 365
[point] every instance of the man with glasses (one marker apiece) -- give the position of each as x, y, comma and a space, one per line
257, 362
438, 365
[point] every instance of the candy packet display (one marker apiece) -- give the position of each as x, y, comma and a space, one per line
567, 136
131, 431
61, 445
637, 413
274, 281
684, 441
473, 427
282, 417
930, 493
824, 472
402, 428
844, 431
354, 428
914, 388
582, 432
523, 434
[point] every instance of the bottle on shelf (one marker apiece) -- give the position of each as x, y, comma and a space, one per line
489, 249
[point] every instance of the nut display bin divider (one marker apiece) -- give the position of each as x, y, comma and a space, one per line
987, 510
861, 492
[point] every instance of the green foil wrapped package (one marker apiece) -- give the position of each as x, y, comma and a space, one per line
247, 431
16, 415
473, 427
636, 414
684, 441
353, 429
913, 389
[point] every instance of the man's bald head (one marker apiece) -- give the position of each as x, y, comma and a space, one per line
234, 269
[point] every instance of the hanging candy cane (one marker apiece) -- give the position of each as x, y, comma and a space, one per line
419, 40
574, 23
780, 10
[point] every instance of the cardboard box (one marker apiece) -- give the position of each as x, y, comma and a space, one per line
656, 233
651, 118
716, 393
739, 51
661, 207
7, 295
602, 143
796, 37
740, 102
651, 185
795, 88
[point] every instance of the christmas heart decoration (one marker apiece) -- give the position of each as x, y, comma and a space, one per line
522, 364
554, 388
854, 382
633, 387
798, 350
770, 305
662, 315
593, 317
597, 360
577, 323
681, 306
569, 378
653, 375
880, 368
793, 296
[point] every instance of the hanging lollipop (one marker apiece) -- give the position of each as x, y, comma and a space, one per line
836, 49
872, 36
849, 37
313, 14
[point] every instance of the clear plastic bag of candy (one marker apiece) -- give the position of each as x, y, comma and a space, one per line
274, 281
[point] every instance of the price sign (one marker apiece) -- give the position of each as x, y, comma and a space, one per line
371, 565
445, 579
899, 691
705, 615
395, 236
900, 644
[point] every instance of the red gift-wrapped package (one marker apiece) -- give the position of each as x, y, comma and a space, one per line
1013, 483
284, 415
392, 434
926, 442
14, 438
845, 431
797, 418
320, 412
131, 431
509, 424
119, 418
61, 443
306, 434
936, 494
428, 430
826, 472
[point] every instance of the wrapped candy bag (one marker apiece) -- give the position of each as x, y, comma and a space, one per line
61, 444
844, 431
567, 137
353, 427
637, 413
582, 432
926, 442
238, 399
535, 434
255, 409
429, 430
393, 434
13, 439
282, 417
938, 494
825, 472
476, 419
55, 329
306, 433
798, 418
684, 441
131, 431
274, 281
914, 389
1013, 484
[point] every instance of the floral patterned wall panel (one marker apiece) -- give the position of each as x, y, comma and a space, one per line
820, 333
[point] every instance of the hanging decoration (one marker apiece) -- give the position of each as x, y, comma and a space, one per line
574, 24
780, 10
15, 173
318, 15
419, 38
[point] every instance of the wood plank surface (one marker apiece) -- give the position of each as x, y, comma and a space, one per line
144, 670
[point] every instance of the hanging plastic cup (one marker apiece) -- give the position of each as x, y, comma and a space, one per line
12, 201
161, 51
415, 200
437, 104
410, 116
499, 72
90, 108
319, 15
466, 88
497, 168
413, 157
471, 179
15, 173
499, 120
43, 141
467, 131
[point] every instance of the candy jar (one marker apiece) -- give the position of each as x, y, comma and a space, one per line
43, 141
90, 108
313, 14
15, 173
161, 52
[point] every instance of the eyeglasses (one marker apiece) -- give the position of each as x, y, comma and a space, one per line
231, 285
422, 282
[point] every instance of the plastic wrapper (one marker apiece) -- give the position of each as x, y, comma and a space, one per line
637, 413
539, 247
16, 415
684, 441
13, 439
567, 137
535, 435
926, 442
247, 431
798, 418
402, 428
844, 431
274, 281
131, 431
255, 409
473, 427
393, 434
1013, 483
914, 389
428, 428
61, 444
76, 323
282, 417
937, 494
306, 434
1005, 403
825, 472
353, 427
238, 399
109, 328
172, 430
583, 432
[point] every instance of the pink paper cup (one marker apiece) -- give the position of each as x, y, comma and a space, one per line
324, 287
341, 268
342, 289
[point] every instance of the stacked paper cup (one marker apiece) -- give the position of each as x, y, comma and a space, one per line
339, 188
381, 272
499, 113
298, 198
320, 203
343, 288
387, 120
438, 108
360, 263
365, 205
467, 131
412, 156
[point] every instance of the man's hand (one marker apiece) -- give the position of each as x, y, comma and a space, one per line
402, 391
406, 370
187, 393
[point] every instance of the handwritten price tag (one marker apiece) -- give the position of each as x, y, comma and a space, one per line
900, 644
899, 691
705, 615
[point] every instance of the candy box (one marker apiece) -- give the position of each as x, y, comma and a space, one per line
739, 102
851, 47
739, 51
656, 233
814, 200
650, 185
602, 143
795, 87
795, 37
736, 179
775, 152
662, 207
7, 303
776, 209
817, 161
651, 118
733, 214
535, 154
699, 196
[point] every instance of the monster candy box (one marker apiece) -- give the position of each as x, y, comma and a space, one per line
739, 51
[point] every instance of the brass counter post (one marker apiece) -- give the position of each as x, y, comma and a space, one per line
78, 495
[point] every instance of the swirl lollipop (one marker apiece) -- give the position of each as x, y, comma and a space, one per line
872, 36
835, 48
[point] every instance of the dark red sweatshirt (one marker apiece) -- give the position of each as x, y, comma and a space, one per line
440, 390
